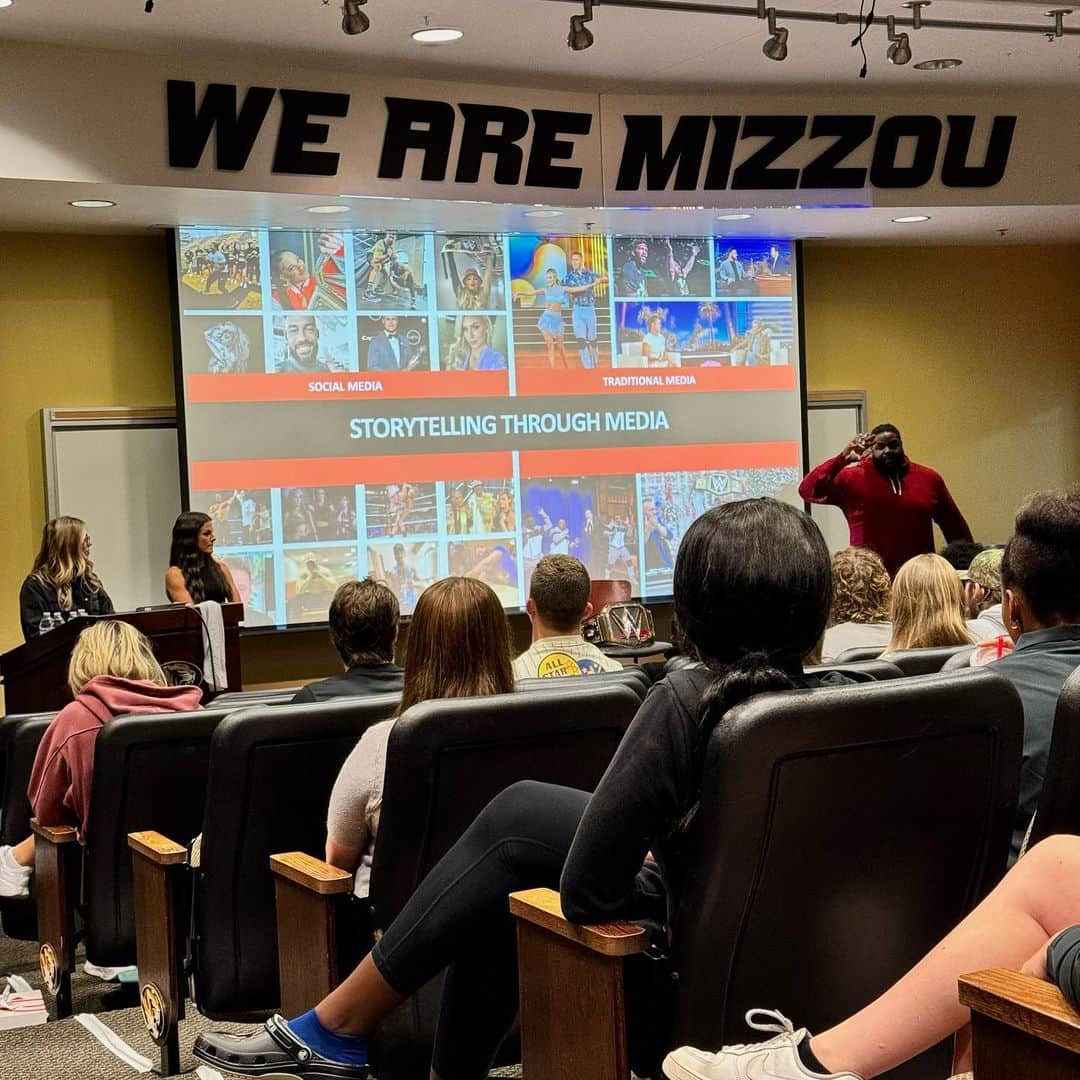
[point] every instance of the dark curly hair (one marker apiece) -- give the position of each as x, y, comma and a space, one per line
860, 587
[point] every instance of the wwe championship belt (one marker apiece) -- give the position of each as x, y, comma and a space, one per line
620, 624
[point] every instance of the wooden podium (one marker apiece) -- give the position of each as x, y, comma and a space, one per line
35, 674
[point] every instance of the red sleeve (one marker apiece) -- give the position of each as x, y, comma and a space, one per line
947, 515
824, 484
50, 781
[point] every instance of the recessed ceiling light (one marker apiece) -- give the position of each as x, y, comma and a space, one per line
328, 209
7, 3
437, 35
938, 65
542, 213
89, 204
907, 219
733, 217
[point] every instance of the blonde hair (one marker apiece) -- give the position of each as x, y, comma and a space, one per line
61, 560
860, 587
113, 648
926, 605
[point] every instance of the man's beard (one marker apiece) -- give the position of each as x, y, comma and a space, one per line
300, 362
892, 468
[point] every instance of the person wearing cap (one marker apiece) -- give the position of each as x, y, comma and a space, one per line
982, 595
475, 291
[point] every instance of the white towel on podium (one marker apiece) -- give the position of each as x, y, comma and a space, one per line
215, 669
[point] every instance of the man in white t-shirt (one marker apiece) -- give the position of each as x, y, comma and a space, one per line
558, 604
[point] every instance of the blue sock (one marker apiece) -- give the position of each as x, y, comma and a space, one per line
342, 1049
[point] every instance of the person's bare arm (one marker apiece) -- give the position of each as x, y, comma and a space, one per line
343, 856
176, 588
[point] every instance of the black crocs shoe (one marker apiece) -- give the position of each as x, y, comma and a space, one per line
273, 1051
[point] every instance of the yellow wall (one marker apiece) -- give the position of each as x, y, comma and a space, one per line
972, 351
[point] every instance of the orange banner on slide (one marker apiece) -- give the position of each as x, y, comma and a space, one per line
329, 472
346, 385
533, 382
602, 461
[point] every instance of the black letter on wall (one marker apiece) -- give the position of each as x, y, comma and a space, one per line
643, 151
851, 132
726, 130
955, 172
926, 131
783, 133
296, 129
476, 141
190, 126
401, 136
548, 147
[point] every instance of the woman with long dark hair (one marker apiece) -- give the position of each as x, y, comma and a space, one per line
63, 578
457, 609
752, 591
194, 574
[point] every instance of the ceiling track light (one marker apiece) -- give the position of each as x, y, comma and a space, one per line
580, 37
915, 7
1058, 15
353, 20
775, 48
899, 51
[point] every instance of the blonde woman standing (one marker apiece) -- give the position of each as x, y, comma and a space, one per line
63, 577
927, 606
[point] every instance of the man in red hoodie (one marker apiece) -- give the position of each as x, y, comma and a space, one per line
112, 672
890, 503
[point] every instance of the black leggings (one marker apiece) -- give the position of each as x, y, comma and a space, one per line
459, 919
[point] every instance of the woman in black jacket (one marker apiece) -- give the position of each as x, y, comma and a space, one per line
63, 578
752, 587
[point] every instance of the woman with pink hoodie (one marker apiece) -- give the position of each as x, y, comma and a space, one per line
112, 672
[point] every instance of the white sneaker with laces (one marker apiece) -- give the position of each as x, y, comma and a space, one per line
776, 1059
14, 879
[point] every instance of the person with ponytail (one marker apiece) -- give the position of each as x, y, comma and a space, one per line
753, 585
194, 574
63, 577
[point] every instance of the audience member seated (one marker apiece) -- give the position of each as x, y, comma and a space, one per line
112, 672
458, 646
926, 606
363, 630
982, 600
860, 605
959, 553
1019, 925
748, 616
63, 578
557, 606
194, 573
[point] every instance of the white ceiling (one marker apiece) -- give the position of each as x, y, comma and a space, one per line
39, 206
524, 41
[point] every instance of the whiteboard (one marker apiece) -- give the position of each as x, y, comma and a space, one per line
118, 470
832, 421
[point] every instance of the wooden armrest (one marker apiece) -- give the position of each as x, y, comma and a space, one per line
58, 834
1023, 1002
542, 908
311, 873
157, 848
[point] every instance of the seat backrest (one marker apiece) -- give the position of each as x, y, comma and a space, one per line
860, 670
20, 734
633, 677
241, 699
149, 773
859, 652
448, 759
959, 661
842, 833
1059, 803
270, 776
925, 661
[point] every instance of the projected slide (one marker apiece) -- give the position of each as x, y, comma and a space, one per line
415, 404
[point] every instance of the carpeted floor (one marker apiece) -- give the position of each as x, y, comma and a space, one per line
64, 1050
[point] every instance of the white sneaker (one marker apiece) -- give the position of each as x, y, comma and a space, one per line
777, 1059
14, 879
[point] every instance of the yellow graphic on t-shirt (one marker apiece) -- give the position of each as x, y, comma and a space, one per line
557, 664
